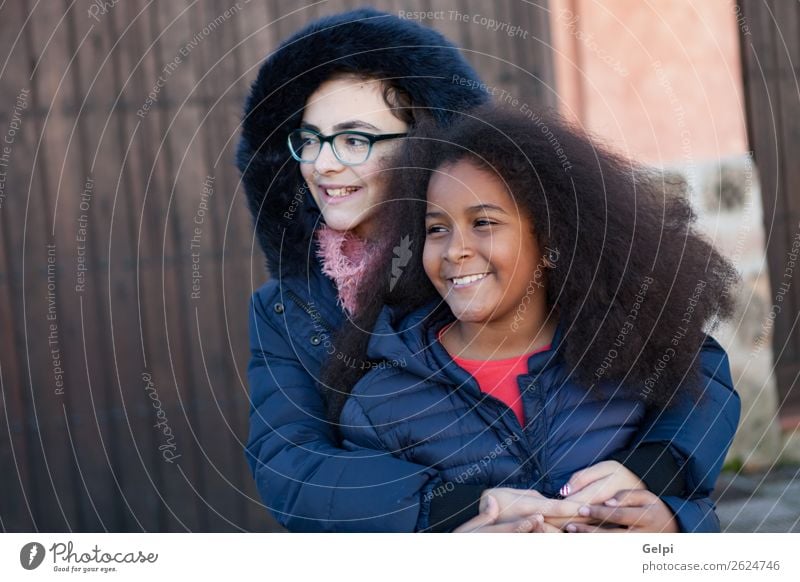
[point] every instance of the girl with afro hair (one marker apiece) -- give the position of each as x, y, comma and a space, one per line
542, 304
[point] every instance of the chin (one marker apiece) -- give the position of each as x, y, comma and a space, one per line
468, 315
343, 222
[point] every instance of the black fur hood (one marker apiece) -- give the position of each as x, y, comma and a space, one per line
418, 58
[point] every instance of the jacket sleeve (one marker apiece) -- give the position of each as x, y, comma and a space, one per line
308, 482
693, 515
698, 433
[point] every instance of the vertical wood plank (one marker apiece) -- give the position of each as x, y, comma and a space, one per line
47, 346
18, 506
773, 132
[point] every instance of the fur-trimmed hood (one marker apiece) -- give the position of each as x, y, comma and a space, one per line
419, 59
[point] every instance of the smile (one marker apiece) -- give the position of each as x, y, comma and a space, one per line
468, 280
340, 192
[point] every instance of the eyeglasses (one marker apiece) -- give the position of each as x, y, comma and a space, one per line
350, 147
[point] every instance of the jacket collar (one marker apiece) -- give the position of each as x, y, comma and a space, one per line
414, 341
537, 363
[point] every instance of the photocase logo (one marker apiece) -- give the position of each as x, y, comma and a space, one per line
31, 555
402, 254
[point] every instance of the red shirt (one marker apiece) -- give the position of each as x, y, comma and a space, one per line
499, 377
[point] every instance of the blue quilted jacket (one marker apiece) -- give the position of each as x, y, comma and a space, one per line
423, 408
311, 482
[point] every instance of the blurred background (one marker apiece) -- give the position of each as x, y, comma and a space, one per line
127, 254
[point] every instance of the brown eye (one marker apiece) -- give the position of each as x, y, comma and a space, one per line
435, 229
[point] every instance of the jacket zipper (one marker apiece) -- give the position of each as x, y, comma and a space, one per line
312, 313
503, 408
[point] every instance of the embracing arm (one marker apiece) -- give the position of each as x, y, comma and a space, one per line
308, 482
696, 436
678, 453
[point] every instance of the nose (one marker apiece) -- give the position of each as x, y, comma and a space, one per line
459, 247
327, 162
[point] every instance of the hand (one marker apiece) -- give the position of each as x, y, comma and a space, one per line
516, 504
600, 482
630, 511
487, 521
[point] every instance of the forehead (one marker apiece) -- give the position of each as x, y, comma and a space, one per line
348, 99
464, 184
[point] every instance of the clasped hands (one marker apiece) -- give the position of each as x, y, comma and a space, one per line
604, 498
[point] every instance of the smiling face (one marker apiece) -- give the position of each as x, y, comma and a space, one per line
348, 196
480, 251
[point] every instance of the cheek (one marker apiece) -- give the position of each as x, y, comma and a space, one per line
306, 171
430, 261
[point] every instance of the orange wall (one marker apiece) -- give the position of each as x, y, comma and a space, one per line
659, 79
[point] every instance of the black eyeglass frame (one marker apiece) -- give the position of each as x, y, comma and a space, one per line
323, 139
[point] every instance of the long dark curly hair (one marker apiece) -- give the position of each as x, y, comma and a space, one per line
636, 287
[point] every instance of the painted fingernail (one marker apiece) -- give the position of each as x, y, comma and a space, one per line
584, 511
571, 528
564, 491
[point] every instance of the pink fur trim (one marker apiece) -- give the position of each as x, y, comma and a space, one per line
345, 259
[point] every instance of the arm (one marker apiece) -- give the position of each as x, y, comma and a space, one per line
678, 454
641, 511
693, 437
679, 451
306, 481
699, 434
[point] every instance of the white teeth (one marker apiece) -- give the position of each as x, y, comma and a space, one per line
468, 279
339, 192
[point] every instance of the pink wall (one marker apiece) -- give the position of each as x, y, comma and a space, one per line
659, 79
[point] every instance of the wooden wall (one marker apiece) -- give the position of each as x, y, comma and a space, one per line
124, 395
770, 44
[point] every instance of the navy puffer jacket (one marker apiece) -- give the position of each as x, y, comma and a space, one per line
423, 408
306, 479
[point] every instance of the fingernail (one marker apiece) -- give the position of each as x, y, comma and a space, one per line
571, 528
564, 491
490, 502
584, 511
539, 517
612, 502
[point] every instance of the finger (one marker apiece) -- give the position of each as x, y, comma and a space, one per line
632, 498
560, 522
587, 528
550, 528
474, 524
596, 492
538, 524
550, 508
525, 525
616, 515
483, 519
492, 508
586, 476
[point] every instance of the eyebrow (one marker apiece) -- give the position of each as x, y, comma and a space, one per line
478, 208
485, 207
352, 124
